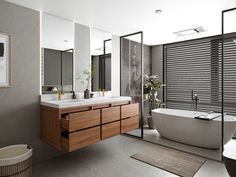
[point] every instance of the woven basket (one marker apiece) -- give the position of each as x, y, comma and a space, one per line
22, 169
19, 168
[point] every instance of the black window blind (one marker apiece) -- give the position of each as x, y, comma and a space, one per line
196, 65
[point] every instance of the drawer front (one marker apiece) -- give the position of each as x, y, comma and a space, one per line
130, 110
110, 114
81, 139
129, 124
110, 129
81, 120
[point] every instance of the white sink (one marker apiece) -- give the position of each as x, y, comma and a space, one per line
66, 101
84, 102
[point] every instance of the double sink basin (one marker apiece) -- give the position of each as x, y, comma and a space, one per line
66, 103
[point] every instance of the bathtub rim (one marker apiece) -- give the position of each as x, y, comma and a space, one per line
227, 118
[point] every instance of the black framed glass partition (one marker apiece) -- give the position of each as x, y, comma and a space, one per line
131, 73
199, 77
228, 68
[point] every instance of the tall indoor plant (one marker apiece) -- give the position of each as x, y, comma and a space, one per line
152, 85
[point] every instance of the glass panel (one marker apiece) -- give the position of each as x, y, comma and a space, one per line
229, 69
131, 72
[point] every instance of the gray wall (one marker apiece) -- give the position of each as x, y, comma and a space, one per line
157, 62
19, 104
147, 56
147, 59
82, 53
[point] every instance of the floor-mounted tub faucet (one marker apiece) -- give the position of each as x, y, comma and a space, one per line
195, 100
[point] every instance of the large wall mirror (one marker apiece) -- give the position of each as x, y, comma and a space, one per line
57, 54
101, 47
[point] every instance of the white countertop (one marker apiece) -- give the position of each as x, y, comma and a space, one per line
67, 103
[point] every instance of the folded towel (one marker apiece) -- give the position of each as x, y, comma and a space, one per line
209, 116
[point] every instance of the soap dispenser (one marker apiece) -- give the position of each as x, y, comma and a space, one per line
73, 95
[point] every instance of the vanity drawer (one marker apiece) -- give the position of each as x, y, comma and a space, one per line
110, 114
111, 129
129, 110
80, 120
81, 139
129, 124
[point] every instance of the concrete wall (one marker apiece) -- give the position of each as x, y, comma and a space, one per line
19, 104
157, 62
82, 56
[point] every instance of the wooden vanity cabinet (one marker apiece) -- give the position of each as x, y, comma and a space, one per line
110, 114
81, 120
129, 110
80, 139
110, 129
74, 128
129, 117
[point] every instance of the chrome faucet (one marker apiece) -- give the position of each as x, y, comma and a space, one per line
195, 100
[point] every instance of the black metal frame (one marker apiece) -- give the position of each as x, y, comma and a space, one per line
222, 72
164, 74
124, 36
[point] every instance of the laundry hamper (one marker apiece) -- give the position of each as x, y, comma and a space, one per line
16, 161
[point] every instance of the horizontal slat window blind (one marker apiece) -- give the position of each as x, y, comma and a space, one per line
196, 65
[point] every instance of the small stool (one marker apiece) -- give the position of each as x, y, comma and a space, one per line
229, 156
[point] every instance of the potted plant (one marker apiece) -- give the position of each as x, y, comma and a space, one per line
152, 85
85, 79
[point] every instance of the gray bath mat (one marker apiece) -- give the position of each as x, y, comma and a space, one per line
173, 161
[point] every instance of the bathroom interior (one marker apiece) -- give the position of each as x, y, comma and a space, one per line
88, 91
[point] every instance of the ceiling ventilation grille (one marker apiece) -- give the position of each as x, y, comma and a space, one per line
189, 31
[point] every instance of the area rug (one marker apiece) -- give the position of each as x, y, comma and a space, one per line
174, 161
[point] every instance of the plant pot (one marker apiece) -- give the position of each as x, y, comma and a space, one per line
86, 94
150, 122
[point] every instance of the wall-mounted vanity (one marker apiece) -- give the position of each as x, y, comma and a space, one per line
73, 124
70, 124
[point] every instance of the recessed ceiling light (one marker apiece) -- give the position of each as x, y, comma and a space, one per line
65, 40
158, 11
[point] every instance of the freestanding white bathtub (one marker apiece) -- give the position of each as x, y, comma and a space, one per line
181, 126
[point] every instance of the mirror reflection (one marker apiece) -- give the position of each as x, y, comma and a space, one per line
101, 47
57, 54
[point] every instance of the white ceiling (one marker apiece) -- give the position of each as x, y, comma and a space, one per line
120, 17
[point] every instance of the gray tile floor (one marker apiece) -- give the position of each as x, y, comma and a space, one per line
111, 158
